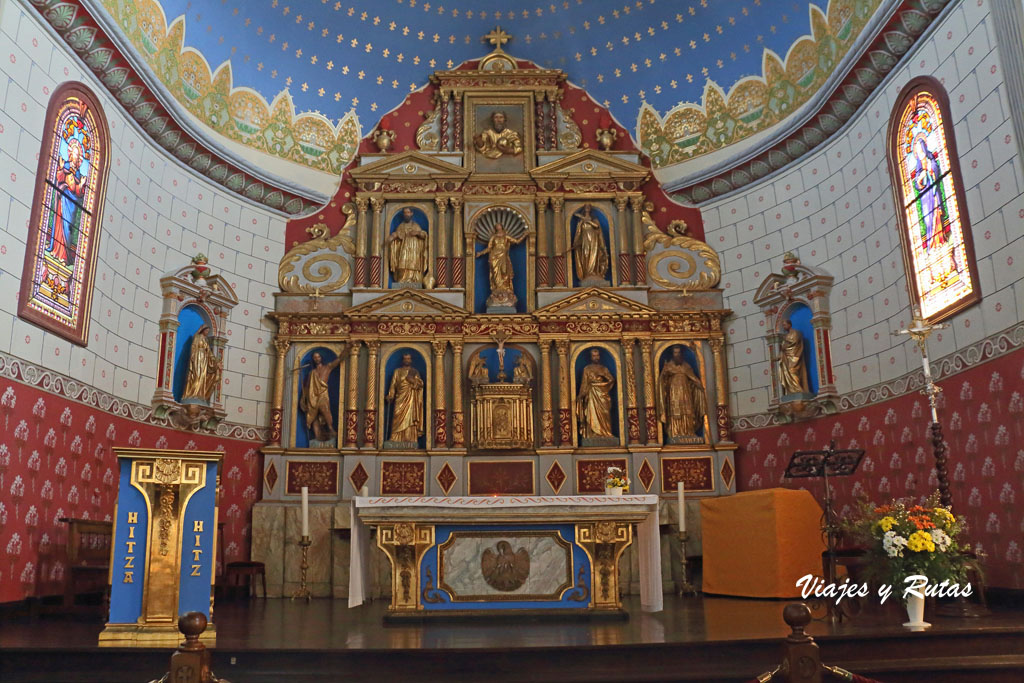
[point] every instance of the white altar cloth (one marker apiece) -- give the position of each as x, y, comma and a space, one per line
648, 537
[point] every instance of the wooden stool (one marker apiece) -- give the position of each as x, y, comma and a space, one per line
236, 571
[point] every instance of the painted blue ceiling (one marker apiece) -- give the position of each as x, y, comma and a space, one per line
333, 56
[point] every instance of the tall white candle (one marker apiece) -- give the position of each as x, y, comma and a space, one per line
927, 368
365, 491
681, 493
305, 511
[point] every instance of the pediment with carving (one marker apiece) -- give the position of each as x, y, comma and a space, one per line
594, 302
407, 303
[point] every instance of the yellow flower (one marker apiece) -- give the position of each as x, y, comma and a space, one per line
887, 523
944, 515
921, 541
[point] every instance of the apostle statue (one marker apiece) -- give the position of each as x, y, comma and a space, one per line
594, 403
499, 246
407, 251
406, 397
523, 371
315, 401
589, 249
204, 370
478, 369
498, 140
792, 369
681, 401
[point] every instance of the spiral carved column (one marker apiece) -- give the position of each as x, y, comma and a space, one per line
351, 431
372, 372
650, 413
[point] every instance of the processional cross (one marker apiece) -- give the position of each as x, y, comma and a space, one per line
919, 330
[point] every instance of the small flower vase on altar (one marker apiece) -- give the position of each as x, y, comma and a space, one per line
613, 490
915, 612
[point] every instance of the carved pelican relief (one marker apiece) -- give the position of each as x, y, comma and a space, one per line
505, 570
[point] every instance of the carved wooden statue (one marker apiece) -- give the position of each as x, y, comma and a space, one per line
315, 401
406, 397
204, 369
594, 403
681, 401
792, 369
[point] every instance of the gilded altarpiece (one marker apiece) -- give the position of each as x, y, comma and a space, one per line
501, 241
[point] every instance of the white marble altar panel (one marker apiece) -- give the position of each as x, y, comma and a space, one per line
461, 574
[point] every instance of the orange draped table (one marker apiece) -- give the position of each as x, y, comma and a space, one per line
758, 543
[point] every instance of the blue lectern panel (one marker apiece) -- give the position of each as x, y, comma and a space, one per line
129, 555
198, 554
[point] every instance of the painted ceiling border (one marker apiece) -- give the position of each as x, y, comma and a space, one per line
911, 22
85, 36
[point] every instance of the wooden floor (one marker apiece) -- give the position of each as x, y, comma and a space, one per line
693, 639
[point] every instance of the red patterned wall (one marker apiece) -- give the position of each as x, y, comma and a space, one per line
56, 460
982, 413
407, 117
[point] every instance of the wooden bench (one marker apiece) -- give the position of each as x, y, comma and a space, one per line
88, 550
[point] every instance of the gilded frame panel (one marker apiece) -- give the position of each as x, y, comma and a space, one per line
472, 127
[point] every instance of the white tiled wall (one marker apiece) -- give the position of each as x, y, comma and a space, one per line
157, 215
835, 209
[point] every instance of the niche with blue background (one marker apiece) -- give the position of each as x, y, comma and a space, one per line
599, 216
190, 319
482, 277
303, 435
799, 316
395, 361
607, 360
690, 357
490, 356
421, 219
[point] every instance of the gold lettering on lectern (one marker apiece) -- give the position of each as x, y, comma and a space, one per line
197, 526
129, 558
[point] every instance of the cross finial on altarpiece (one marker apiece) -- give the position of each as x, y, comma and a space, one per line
497, 37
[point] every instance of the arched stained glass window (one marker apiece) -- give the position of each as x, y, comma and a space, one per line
60, 253
935, 230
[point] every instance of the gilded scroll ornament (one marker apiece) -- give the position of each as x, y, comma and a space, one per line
322, 266
428, 135
680, 254
569, 136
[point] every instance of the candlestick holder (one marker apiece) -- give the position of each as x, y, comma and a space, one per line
685, 589
303, 590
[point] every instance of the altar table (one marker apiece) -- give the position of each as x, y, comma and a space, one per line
528, 553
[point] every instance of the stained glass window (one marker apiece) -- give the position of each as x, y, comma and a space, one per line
57, 280
933, 215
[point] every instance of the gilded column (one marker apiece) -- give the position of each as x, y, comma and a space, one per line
564, 412
440, 412
625, 258
563, 258
441, 260
445, 124
543, 266
277, 409
351, 437
546, 416
721, 393
458, 270
458, 433
632, 412
362, 203
376, 237
639, 257
457, 137
372, 375
650, 415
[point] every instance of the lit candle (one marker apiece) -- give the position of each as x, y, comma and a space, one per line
681, 493
305, 511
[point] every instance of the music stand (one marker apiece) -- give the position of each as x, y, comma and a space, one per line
825, 463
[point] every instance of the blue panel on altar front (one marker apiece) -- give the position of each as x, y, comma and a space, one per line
129, 553
489, 567
198, 553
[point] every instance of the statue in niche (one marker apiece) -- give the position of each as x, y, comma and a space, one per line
792, 369
478, 369
523, 371
682, 404
498, 140
589, 250
315, 402
204, 370
406, 397
499, 247
408, 252
594, 403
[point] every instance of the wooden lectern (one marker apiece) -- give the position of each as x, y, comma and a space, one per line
163, 556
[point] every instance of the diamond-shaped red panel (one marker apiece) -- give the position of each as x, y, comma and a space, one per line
358, 477
555, 476
270, 476
446, 478
646, 475
727, 473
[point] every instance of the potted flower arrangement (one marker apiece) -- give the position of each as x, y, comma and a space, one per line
906, 540
616, 482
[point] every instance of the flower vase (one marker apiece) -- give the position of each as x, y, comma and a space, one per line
915, 612
613, 490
